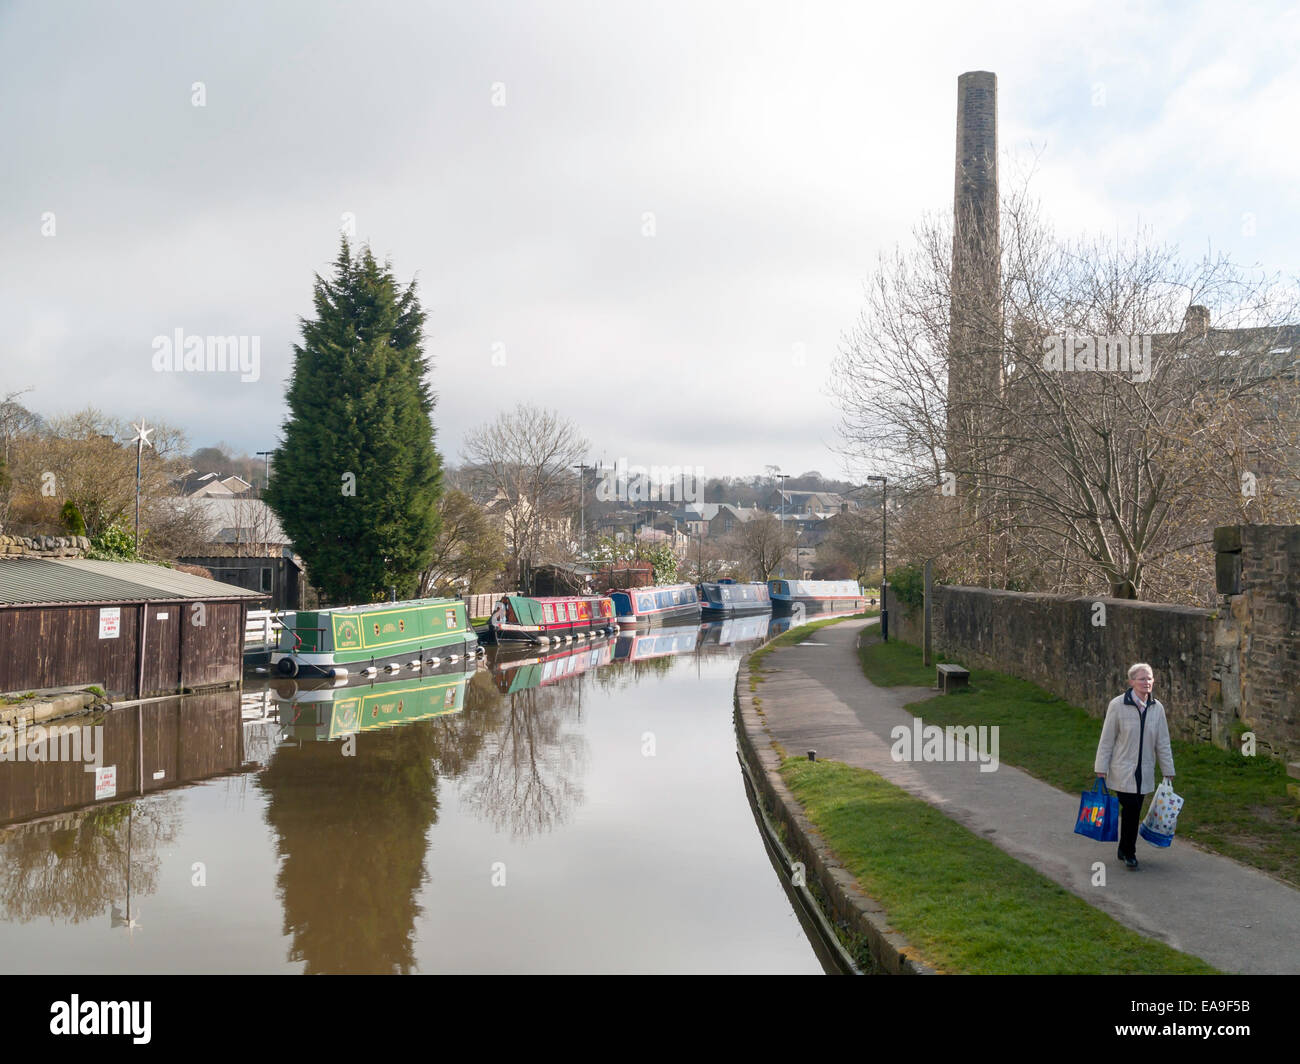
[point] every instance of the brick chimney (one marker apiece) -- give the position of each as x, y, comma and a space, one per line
1196, 322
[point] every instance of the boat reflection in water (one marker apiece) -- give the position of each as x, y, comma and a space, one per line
734, 631
657, 642
320, 711
801, 616
539, 668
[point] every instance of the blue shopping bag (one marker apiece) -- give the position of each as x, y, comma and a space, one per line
1098, 814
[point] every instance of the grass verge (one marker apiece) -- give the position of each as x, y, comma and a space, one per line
933, 878
1237, 806
798, 635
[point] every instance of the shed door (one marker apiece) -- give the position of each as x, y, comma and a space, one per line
162, 662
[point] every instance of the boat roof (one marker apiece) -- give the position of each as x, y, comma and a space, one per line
401, 604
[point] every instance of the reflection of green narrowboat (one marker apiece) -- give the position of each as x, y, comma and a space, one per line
330, 713
352, 639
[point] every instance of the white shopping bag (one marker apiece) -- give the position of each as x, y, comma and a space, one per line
1162, 817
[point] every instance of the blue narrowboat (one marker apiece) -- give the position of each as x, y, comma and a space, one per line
726, 598
817, 596
666, 604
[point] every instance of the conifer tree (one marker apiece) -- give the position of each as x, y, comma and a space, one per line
357, 477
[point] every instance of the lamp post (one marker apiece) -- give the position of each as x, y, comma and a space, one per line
783, 477
884, 572
266, 478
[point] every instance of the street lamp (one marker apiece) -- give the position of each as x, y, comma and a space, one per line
783, 477
582, 510
266, 478
884, 574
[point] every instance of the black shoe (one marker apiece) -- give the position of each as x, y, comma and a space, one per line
1131, 863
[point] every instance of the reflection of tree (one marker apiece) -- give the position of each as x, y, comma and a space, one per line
460, 737
525, 777
75, 873
351, 836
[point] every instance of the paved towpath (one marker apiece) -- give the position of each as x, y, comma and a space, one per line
815, 697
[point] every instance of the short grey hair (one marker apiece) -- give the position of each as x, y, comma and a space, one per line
1134, 669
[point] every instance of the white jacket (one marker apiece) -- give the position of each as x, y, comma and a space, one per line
1117, 752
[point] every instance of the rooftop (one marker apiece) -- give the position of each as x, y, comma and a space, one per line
32, 581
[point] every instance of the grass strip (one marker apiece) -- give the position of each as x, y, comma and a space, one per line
965, 905
798, 635
1237, 806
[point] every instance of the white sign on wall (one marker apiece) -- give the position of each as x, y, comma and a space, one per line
105, 782
110, 622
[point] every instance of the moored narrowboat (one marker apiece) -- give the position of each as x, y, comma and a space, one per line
817, 596
551, 618
385, 636
726, 598
662, 604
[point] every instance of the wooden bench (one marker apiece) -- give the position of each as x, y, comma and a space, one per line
952, 677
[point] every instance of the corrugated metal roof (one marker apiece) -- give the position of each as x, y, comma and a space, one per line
27, 581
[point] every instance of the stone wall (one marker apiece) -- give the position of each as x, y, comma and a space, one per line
44, 546
1257, 568
1077, 648
1212, 667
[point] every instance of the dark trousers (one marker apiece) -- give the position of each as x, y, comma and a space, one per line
1130, 816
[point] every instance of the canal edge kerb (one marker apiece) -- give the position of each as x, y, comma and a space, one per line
849, 906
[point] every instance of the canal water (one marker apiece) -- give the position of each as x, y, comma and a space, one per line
579, 810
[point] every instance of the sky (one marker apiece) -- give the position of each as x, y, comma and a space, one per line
655, 219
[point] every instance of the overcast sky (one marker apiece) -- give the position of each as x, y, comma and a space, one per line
778, 147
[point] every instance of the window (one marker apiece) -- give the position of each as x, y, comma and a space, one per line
266, 578
547, 614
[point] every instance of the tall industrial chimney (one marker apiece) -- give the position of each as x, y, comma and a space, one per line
975, 326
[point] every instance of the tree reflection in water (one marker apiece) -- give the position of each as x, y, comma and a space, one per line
77, 872
351, 835
526, 777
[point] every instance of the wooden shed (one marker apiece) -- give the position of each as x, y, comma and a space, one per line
136, 629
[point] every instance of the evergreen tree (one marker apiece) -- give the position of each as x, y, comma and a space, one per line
357, 478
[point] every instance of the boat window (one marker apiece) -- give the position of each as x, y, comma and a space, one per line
573, 611
547, 614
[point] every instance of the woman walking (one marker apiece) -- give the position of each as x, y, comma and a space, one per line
1134, 735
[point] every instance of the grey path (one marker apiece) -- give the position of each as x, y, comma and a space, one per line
815, 697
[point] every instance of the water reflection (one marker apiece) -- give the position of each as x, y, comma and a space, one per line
350, 784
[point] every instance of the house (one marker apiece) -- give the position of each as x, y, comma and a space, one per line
134, 629
817, 504
248, 548
728, 518
193, 484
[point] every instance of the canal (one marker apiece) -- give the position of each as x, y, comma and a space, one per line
577, 811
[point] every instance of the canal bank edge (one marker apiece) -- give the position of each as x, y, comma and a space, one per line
849, 907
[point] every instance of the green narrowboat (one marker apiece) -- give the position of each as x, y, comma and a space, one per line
390, 636
335, 712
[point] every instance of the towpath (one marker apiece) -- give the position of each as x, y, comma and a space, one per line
815, 697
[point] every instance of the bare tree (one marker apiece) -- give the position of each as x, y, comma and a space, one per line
1097, 467
527, 456
762, 545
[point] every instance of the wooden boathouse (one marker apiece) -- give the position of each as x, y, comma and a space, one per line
133, 628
